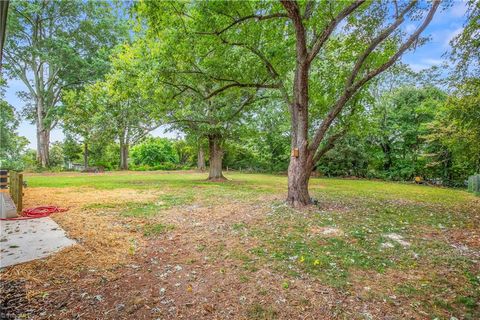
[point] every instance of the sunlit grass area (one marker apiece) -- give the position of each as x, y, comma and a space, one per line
241, 182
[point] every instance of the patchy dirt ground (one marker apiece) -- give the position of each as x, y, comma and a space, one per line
204, 259
187, 273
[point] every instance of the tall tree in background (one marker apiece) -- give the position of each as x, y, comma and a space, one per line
128, 105
401, 119
53, 45
82, 119
262, 44
187, 95
200, 155
216, 120
119, 107
455, 132
463, 107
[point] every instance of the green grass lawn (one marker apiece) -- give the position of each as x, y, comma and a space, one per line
345, 242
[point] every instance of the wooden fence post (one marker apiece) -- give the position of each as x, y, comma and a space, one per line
16, 189
20, 192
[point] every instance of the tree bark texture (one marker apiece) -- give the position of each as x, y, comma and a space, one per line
43, 142
85, 156
216, 156
201, 159
123, 155
43, 135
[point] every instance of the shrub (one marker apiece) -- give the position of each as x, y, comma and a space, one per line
155, 152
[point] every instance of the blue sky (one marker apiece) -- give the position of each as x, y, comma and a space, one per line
444, 26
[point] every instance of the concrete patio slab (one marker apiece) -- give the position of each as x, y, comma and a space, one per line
27, 240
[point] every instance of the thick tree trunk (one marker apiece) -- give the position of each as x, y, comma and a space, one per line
43, 143
43, 135
299, 171
301, 160
216, 156
85, 156
123, 156
201, 159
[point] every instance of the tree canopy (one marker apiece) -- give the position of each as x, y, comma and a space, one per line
295, 87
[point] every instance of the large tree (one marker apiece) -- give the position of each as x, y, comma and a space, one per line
119, 107
53, 45
318, 55
188, 98
83, 120
400, 124
216, 120
455, 133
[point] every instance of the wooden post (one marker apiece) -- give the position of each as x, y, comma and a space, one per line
11, 184
20, 192
16, 189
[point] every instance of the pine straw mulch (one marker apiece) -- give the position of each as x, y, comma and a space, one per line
102, 242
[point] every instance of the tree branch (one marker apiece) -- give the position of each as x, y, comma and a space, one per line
247, 102
376, 41
240, 85
333, 138
351, 89
320, 40
242, 19
20, 71
308, 9
182, 88
270, 68
328, 146
413, 38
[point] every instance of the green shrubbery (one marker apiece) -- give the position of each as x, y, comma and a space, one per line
162, 166
156, 154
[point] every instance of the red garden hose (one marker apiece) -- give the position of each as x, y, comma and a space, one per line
38, 212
